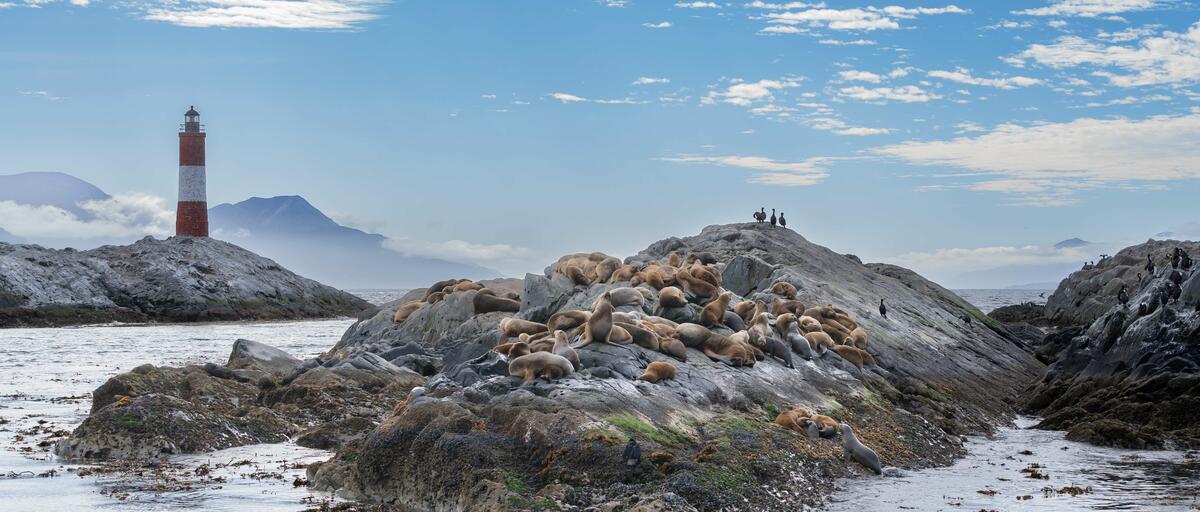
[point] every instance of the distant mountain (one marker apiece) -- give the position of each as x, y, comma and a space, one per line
1071, 242
293, 232
1188, 231
50, 188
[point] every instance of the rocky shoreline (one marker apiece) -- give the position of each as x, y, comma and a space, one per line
472, 437
1124, 375
179, 279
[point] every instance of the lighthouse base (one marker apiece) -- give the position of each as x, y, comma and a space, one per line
191, 218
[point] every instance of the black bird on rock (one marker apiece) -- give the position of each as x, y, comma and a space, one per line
966, 319
1123, 296
882, 308
1149, 265
1175, 257
782, 221
773, 221
760, 215
633, 453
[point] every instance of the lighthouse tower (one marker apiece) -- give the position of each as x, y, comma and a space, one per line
191, 218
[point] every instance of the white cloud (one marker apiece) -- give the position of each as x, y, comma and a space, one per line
127, 215
862, 131
566, 98
867, 19
1045, 163
969, 126
783, 29
904, 93
45, 95
1166, 59
840, 127
291, 14
645, 80
488, 96
759, 4
456, 250
661, 24
744, 93
1089, 8
697, 5
1130, 100
837, 42
860, 76
571, 98
963, 75
768, 172
616, 3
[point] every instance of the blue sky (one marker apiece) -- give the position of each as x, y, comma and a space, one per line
954, 138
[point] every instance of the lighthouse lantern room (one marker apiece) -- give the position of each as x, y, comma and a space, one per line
191, 217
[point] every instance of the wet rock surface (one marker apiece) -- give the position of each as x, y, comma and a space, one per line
173, 280
479, 439
1128, 375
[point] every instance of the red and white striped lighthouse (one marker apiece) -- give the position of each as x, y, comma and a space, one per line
191, 218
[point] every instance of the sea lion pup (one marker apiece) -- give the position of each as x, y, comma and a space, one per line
858, 338
513, 350
623, 273
567, 320
619, 335
623, 296
661, 329
744, 309
671, 297
697, 287
753, 344
485, 303
855, 450
809, 324
540, 365
826, 427
782, 322
733, 321
781, 306
715, 346
674, 259
819, 341
604, 269
632, 317
650, 276
783, 289
575, 274
674, 348
713, 313
699, 271
798, 342
406, 309
792, 419
835, 330
775, 348
465, 285
642, 337
439, 286
435, 297
562, 347
761, 326
510, 327
600, 322
658, 371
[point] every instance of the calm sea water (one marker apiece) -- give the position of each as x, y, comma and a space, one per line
46, 380
988, 300
378, 297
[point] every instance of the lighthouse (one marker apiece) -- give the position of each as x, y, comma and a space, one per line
191, 218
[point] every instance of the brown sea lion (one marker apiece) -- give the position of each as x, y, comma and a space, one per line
658, 371
543, 365
715, 346
642, 337
406, 309
567, 320
488, 303
713, 313
783, 289
671, 297
698, 288
600, 322
562, 347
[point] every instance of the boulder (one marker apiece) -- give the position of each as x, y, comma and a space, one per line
252, 355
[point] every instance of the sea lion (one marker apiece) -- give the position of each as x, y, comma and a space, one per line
782, 322
856, 356
575, 274
631, 317
605, 269
439, 286
855, 450
715, 346
761, 326
809, 324
792, 418
673, 348
699, 271
826, 427
713, 313
744, 309
599, 324
674, 260
488, 303
540, 365
567, 320
435, 297
671, 297
562, 347
618, 335
837, 331
466, 285
752, 343
811, 429
733, 321
514, 350
697, 287
819, 341
642, 337
623, 296
651, 277
406, 309
858, 338
797, 341
510, 327
777, 349
624, 273
783, 289
658, 371
781, 306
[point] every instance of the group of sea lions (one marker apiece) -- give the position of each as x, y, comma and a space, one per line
738, 334
818, 426
486, 300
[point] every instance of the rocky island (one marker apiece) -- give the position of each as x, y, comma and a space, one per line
425, 405
180, 279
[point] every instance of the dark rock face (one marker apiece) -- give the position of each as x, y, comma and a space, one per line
1130, 377
480, 440
263, 396
172, 280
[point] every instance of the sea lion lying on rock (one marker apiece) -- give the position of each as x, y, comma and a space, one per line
658, 371
543, 365
715, 346
487, 303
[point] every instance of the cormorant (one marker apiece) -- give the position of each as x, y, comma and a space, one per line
760, 215
882, 308
633, 453
1149, 265
782, 221
966, 319
1123, 296
1175, 257
773, 221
